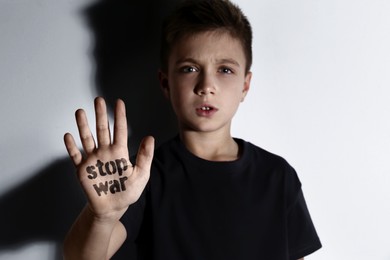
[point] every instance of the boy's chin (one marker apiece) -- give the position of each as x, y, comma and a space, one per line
206, 128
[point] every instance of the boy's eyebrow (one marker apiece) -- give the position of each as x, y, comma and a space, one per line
182, 60
230, 61
219, 61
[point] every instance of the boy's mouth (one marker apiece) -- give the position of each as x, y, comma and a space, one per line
206, 110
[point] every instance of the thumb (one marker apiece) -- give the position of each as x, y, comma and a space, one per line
145, 154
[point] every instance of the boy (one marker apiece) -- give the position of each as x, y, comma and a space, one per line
203, 194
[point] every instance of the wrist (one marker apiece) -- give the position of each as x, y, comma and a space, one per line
109, 217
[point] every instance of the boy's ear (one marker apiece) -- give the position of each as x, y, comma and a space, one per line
163, 79
247, 84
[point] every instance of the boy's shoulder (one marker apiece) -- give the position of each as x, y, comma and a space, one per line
258, 154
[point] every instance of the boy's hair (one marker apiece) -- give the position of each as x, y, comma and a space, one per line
195, 16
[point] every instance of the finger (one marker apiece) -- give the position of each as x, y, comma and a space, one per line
73, 151
145, 154
143, 164
102, 129
120, 124
86, 137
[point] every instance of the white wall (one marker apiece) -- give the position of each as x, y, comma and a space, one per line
319, 97
45, 74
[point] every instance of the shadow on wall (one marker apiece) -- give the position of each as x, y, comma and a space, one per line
126, 52
127, 37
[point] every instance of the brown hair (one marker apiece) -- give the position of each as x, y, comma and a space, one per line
195, 16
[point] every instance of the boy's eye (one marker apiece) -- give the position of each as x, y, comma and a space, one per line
226, 70
189, 69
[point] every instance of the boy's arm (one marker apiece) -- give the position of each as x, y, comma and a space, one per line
90, 238
110, 182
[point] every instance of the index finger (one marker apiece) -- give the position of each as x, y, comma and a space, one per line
120, 124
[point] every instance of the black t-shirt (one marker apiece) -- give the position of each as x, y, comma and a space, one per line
250, 208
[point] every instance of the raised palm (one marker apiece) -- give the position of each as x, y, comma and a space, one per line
109, 180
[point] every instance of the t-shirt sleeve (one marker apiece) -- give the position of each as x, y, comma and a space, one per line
132, 221
302, 236
133, 218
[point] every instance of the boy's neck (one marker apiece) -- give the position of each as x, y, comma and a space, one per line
210, 146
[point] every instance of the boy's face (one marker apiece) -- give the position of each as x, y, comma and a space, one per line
206, 81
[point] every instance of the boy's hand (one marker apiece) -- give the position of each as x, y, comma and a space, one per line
109, 180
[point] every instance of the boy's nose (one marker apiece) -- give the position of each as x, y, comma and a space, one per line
205, 91
205, 86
